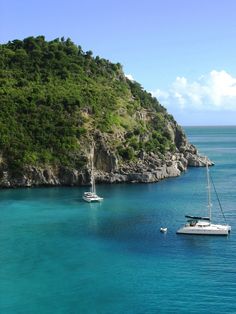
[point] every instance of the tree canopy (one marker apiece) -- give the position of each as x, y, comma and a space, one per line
54, 97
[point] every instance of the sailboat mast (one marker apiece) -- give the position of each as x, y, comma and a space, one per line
92, 171
208, 190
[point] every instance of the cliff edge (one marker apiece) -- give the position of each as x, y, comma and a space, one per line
58, 102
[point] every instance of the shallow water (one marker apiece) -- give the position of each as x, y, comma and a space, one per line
61, 255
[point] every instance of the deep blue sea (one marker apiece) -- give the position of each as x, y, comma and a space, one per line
59, 254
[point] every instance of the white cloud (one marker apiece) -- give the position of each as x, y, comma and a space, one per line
212, 92
129, 76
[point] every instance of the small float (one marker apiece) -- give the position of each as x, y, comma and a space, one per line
163, 230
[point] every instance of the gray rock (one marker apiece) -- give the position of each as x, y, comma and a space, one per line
148, 167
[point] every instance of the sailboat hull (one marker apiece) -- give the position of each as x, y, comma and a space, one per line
92, 200
211, 229
91, 197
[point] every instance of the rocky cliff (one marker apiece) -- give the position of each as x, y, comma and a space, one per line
148, 167
58, 102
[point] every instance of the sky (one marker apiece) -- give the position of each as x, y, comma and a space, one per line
182, 51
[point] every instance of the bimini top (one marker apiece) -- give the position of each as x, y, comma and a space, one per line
197, 218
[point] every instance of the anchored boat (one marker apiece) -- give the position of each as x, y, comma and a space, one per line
203, 225
91, 196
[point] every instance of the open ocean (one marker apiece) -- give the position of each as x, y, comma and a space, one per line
59, 254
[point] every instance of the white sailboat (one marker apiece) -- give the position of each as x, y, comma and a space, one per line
203, 225
91, 196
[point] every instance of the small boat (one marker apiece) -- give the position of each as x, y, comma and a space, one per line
91, 196
199, 225
163, 230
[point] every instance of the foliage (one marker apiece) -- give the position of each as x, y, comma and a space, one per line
54, 97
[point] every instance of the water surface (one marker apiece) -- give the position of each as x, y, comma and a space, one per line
61, 255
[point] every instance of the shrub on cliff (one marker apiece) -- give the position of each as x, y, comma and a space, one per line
54, 97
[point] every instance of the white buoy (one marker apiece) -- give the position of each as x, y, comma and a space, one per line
163, 230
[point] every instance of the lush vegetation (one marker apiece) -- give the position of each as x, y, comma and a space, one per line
54, 97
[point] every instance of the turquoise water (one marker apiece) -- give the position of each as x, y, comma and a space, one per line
61, 255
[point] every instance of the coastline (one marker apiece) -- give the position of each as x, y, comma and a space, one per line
149, 168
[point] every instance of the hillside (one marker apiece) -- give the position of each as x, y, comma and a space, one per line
58, 101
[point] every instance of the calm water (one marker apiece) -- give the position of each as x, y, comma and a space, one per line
61, 255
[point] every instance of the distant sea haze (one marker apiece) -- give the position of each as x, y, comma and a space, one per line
62, 255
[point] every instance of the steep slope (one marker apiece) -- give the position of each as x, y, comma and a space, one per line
59, 102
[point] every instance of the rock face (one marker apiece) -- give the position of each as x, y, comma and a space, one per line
54, 114
148, 167
152, 169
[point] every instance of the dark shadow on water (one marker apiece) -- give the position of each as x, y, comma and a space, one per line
141, 235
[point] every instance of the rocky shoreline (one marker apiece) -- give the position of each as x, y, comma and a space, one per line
150, 168
146, 169
108, 167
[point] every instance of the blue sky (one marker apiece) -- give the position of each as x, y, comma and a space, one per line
183, 51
